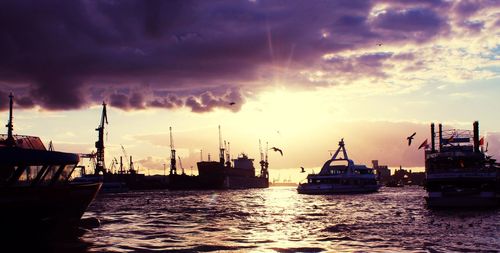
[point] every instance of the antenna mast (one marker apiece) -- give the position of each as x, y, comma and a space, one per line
10, 127
173, 167
100, 166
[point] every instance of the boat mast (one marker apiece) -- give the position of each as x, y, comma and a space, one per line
221, 149
10, 127
341, 147
100, 166
173, 167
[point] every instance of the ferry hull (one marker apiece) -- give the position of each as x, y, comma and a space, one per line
52, 206
335, 189
482, 200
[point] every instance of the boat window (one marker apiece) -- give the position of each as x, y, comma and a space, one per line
66, 172
29, 174
49, 174
6, 173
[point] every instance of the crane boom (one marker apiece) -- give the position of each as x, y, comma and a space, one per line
180, 164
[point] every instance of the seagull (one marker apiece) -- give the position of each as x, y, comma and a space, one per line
232, 103
275, 149
379, 44
409, 138
302, 170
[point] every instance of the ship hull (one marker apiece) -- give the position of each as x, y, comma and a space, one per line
335, 189
481, 200
219, 182
61, 206
216, 176
245, 182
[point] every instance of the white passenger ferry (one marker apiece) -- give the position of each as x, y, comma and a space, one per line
340, 175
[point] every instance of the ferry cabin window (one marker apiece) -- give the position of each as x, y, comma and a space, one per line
66, 172
336, 171
29, 174
6, 173
49, 174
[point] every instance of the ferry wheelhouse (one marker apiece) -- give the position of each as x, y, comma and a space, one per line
35, 184
458, 172
340, 175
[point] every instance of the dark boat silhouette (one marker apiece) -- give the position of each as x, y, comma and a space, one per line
36, 189
459, 173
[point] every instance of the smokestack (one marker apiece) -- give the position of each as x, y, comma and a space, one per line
476, 136
433, 139
440, 136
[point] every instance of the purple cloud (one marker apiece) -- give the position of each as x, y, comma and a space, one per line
416, 24
69, 54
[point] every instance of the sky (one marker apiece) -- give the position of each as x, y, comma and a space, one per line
301, 74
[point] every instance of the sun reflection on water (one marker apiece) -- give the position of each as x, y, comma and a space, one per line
278, 219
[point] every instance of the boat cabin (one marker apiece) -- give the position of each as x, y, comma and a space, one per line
28, 163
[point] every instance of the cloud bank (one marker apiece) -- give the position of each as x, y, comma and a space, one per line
205, 55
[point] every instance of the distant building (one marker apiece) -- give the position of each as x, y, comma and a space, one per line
408, 177
383, 172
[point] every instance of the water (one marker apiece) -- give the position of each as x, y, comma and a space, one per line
280, 220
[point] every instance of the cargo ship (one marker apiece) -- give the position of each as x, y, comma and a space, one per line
458, 172
226, 173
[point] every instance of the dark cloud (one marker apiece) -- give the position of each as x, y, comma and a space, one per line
415, 24
207, 101
170, 101
68, 54
132, 101
466, 8
366, 65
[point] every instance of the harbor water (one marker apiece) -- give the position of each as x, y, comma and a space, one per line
280, 220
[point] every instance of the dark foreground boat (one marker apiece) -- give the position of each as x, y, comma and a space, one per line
459, 173
35, 184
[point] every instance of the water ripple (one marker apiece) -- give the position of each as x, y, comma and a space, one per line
280, 220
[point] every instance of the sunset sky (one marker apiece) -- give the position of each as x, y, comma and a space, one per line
302, 75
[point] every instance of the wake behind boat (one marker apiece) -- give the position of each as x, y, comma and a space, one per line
340, 175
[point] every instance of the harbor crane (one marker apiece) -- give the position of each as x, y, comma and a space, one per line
173, 167
131, 169
180, 164
100, 166
264, 164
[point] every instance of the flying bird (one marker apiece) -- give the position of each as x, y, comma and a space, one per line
275, 149
379, 44
302, 170
409, 138
232, 103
